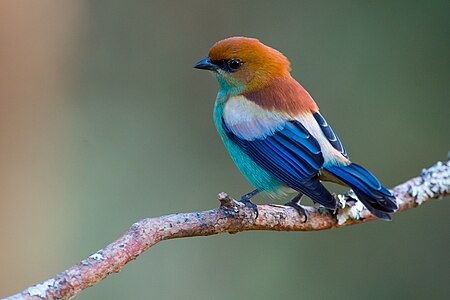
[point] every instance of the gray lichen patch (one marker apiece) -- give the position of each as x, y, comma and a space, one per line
97, 255
349, 209
40, 290
433, 182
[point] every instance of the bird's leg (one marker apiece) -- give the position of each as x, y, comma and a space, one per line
295, 203
248, 203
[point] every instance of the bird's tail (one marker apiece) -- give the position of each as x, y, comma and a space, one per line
378, 200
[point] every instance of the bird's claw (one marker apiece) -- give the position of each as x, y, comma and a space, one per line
325, 210
251, 205
300, 209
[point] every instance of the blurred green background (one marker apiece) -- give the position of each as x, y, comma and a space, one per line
103, 121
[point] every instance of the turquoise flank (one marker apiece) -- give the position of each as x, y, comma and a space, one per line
260, 178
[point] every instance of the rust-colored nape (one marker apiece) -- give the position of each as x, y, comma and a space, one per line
283, 94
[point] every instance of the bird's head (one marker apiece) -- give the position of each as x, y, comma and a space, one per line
244, 64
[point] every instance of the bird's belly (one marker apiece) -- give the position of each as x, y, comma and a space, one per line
259, 177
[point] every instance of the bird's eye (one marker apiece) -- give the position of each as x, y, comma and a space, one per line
234, 64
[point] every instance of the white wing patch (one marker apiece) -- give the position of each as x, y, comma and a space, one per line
249, 121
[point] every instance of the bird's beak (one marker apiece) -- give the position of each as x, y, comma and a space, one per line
206, 64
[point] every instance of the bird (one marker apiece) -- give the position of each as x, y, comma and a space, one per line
275, 134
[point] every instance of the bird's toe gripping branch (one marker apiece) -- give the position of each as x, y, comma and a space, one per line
300, 209
252, 206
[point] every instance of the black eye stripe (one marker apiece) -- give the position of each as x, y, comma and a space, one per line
228, 65
221, 64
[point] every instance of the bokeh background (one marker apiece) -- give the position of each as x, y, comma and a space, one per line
103, 121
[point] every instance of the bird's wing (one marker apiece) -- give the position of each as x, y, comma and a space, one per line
329, 134
284, 148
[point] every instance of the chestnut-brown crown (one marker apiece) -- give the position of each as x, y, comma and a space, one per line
259, 63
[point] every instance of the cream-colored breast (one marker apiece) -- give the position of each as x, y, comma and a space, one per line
250, 121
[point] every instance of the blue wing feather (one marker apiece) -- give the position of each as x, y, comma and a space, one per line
368, 189
291, 155
330, 135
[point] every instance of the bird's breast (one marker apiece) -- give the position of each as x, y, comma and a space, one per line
250, 120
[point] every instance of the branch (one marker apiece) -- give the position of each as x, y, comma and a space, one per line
231, 217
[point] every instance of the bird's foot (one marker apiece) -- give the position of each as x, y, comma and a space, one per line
325, 210
251, 205
248, 203
300, 209
331, 211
